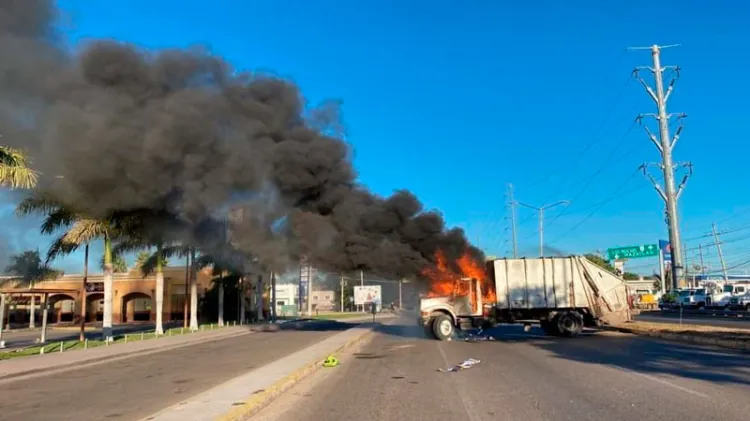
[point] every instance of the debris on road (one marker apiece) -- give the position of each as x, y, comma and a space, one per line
331, 361
459, 367
479, 336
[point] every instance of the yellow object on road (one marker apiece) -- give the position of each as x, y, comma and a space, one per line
331, 361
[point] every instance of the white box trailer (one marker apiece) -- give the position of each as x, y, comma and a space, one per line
564, 294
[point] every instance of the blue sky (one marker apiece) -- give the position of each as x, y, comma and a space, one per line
453, 100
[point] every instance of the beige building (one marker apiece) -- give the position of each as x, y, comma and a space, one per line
132, 297
324, 300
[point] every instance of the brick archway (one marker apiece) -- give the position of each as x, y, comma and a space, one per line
136, 307
62, 308
94, 307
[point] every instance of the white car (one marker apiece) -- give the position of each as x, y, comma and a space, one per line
740, 302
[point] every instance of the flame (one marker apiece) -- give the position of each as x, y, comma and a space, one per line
446, 282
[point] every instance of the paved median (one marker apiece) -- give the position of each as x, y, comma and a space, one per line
242, 396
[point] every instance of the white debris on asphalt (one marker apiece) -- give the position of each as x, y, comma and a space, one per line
458, 367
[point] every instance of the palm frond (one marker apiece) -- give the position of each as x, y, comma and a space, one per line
14, 169
128, 244
37, 203
56, 220
61, 247
85, 231
149, 265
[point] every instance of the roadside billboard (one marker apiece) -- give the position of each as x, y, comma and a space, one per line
367, 294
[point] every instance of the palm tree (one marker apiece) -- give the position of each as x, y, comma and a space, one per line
14, 169
26, 269
79, 230
147, 228
152, 263
119, 265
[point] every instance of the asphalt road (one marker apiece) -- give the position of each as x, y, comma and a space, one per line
704, 320
603, 376
136, 387
26, 338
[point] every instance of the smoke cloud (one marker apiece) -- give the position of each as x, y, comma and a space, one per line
114, 127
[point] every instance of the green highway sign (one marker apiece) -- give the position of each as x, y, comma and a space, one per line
633, 252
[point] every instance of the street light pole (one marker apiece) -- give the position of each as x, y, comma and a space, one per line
541, 210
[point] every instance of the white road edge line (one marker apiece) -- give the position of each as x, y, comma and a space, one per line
666, 383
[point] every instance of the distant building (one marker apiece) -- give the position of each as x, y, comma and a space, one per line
286, 295
131, 297
324, 300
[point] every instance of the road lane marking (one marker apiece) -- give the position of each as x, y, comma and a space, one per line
461, 393
666, 383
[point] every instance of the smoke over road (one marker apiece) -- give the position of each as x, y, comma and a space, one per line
182, 130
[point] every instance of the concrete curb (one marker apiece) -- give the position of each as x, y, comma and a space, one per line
260, 400
740, 345
34, 372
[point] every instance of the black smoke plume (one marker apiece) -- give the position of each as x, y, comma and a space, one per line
113, 127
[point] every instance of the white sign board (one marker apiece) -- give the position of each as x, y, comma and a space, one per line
367, 294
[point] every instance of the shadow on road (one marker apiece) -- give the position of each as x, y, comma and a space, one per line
638, 354
305, 325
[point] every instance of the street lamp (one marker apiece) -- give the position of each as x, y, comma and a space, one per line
541, 210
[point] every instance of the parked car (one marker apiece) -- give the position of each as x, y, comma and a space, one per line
740, 302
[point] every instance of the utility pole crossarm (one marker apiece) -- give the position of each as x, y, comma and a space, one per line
648, 175
677, 133
651, 136
643, 83
685, 178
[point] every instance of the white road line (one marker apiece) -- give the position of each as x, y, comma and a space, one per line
666, 383
461, 393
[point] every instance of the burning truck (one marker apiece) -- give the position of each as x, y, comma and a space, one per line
562, 294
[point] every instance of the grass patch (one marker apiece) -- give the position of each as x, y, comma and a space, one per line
73, 345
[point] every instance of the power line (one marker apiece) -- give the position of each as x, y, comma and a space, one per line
594, 139
720, 233
612, 197
605, 164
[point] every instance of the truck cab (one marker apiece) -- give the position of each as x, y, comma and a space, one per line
441, 315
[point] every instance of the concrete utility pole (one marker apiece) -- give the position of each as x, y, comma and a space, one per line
512, 205
700, 253
721, 255
400, 296
343, 285
273, 297
309, 289
665, 145
362, 284
541, 210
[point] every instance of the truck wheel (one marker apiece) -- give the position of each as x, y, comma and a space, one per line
442, 327
548, 328
569, 324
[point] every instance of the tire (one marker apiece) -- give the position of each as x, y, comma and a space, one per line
747, 308
548, 328
442, 327
569, 324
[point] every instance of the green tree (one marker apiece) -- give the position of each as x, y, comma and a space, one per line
26, 269
14, 169
600, 261
119, 265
